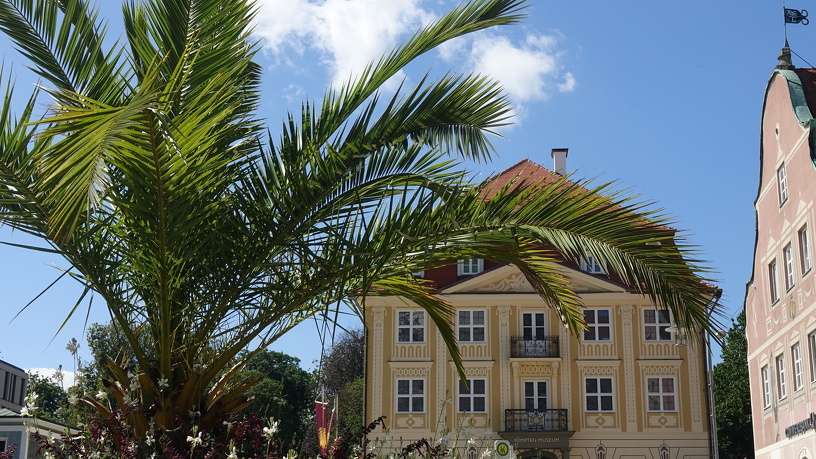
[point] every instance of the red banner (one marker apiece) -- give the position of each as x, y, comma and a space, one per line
322, 418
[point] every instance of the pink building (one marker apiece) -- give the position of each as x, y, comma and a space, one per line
780, 298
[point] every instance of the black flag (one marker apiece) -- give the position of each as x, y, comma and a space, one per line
796, 16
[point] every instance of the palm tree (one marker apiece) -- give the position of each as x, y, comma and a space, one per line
150, 173
73, 348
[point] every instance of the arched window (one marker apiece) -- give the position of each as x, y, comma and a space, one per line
600, 452
664, 451
471, 453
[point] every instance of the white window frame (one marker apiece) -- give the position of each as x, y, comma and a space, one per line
536, 397
534, 328
766, 386
782, 182
594, 325
804, 250
798, 376
812, 352
476, 390
790, 273
470, 325
599, 395
662, 321
410, 327
590, 264
781, 378
412, 394
661, 396
773, 282
469, 266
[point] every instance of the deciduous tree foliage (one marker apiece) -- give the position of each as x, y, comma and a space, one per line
285, 392
151, 173
732, 395
341, 375
344, 362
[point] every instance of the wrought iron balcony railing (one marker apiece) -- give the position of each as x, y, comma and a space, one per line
535, 420
547, 346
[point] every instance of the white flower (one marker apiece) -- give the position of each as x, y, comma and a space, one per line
197, 440
73, 399
233, 454
149, 440
24, 412
101, 394
471, 441
487, 453
163, 383
271, 430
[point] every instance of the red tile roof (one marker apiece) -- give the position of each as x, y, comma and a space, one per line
808, 78
524, 170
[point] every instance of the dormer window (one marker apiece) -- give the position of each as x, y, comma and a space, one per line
591, 265
470, 266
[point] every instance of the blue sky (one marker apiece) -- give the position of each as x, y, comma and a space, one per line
663, 97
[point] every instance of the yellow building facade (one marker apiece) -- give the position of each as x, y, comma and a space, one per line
623, 389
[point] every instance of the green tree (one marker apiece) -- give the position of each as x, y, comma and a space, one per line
51, 397
151, 175
285, 392
344, 362
732, 395
341, 376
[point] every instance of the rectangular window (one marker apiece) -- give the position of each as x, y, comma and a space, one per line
766, 386
3, 445
789, 275
598, 394
804, 249
535, 395
772, 282
471, 326
782, 182
598, 326
798, 377
411, 326
473, 396
781, 383
812, 352
591, 264
410, 396
469, 266
655, 323
660, 394
533, 326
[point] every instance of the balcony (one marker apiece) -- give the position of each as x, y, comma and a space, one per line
547, 346
535, 420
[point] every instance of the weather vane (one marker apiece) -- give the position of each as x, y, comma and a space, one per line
796, 16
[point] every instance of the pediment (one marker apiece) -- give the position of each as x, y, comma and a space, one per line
508, 279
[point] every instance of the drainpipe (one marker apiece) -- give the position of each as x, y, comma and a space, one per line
714, 450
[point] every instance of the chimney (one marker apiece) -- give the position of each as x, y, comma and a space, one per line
559, 156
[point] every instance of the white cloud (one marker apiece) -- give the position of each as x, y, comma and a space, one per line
67, 376
347, 33
528, 71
